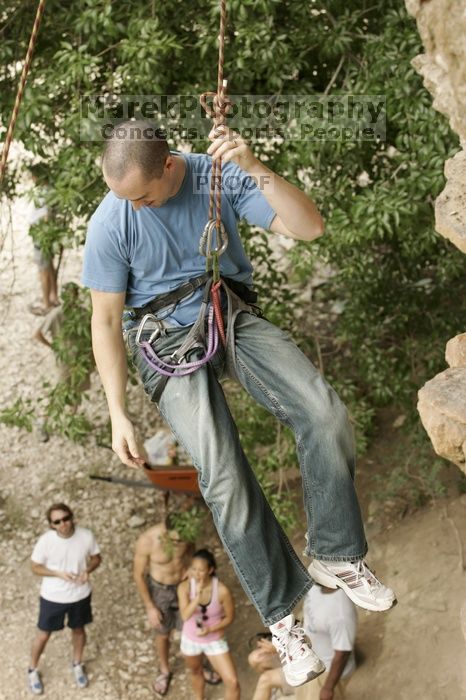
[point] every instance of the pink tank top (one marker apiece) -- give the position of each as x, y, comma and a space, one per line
213, 612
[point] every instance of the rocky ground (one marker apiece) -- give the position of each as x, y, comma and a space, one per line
415, 652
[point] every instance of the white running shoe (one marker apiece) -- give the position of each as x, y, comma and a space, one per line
35, 682
356, 580
80, 676
300, 664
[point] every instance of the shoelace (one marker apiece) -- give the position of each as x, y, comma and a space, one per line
291, 642
364, 572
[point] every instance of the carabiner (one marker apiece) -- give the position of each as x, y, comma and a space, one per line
156, 332
205, 243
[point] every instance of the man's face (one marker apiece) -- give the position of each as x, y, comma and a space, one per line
142, 192
62, 522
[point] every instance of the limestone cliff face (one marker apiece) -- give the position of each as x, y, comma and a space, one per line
442, 27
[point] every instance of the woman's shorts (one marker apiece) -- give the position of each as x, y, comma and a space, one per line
191, 648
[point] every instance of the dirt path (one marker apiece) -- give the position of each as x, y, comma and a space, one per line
415, 652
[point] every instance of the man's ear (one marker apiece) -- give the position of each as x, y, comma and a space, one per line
169, 164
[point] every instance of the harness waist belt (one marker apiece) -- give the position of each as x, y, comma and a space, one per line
173, 297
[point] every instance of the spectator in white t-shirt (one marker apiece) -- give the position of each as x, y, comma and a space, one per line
330, 622
64, 556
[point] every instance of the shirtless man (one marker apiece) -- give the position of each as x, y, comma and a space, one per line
161, 559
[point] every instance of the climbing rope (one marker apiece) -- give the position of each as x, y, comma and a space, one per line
170, 369
207, 247
21, 86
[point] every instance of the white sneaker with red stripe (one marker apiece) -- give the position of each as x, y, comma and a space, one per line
299, 662
356, 580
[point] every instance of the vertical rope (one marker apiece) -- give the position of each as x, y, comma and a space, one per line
21, 86
217, 114
220, 112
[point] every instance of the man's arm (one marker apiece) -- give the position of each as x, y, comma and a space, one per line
187, 607
296, 214
110, 357
140, 563
334, 674
94, 562
41, 570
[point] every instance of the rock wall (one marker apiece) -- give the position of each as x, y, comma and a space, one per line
442, 27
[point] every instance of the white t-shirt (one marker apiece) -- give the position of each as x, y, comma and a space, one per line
330, 621
68, 554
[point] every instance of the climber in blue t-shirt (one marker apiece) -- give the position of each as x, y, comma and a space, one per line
143, 242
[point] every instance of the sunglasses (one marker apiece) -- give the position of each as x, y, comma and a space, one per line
65, 519
203, 617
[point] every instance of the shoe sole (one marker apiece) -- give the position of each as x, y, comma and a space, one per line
295, 682
333, 582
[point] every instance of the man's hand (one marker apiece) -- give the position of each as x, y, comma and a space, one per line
126, 445
326, 694
155, 617
266, 646
230, 146
65, 576
82, 578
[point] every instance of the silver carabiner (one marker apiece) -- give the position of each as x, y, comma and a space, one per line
205, 243
154, 335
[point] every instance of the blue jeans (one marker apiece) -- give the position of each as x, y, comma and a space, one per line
279, 377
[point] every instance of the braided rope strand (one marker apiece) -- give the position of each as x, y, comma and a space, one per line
217, 112
21, 86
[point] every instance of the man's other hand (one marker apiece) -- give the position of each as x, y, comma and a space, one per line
155, 617
126, 445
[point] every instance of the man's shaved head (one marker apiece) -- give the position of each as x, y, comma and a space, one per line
135, 145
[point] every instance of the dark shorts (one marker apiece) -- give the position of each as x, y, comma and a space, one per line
42, 261
166, 600
52, 615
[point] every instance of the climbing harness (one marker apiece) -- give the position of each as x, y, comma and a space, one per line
196, 339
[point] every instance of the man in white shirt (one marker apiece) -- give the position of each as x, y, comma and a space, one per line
64, 556
330, 621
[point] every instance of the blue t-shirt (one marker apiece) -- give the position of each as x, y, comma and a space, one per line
155, 249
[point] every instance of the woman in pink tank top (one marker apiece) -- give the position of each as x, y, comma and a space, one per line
207, 608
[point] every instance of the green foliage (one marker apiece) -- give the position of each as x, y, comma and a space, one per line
275, 297
58, 409
416, 478
73, 353
20, 414
188, 524
394, 275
